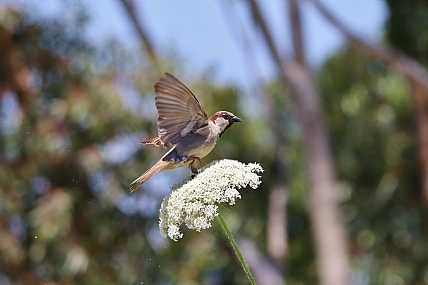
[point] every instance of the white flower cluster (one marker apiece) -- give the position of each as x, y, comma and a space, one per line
195, 201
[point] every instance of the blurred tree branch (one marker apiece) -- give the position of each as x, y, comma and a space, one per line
277, 217
265, 273
420, 104
142, 32
276, 227
416, 75
296, 28
331, 246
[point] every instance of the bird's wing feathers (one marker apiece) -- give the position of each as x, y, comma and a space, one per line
179, 111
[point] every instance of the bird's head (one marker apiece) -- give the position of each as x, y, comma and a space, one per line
222, 120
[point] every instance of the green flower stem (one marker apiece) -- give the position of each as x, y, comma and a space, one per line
237, 251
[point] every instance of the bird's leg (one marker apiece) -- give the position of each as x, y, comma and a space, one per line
191, 166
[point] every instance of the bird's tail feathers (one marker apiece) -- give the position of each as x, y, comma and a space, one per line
154, 141
159, 166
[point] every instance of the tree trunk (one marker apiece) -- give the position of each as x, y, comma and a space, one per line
330, 240
420, 104
331, 247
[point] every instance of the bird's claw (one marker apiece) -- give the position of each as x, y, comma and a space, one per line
192, 167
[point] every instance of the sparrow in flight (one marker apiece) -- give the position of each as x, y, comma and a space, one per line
184, 125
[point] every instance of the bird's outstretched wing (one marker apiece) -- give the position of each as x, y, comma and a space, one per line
179, 111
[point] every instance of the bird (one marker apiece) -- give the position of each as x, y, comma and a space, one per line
183, 125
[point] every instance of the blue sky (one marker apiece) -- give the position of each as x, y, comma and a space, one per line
206, 33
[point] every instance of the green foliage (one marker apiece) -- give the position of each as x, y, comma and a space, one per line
407, 28
60, 178
369, 113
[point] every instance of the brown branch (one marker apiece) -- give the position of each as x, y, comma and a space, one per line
277, 245
240, 34
398, 60
296, 28
331, 246
130, 9
276, 228
259, 21
420, 105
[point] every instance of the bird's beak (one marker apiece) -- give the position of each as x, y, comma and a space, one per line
235, 119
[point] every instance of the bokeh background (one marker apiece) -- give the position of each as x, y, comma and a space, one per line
76, 98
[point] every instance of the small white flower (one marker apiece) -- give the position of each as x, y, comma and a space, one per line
195, 201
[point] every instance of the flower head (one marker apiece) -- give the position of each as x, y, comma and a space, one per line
195, 201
